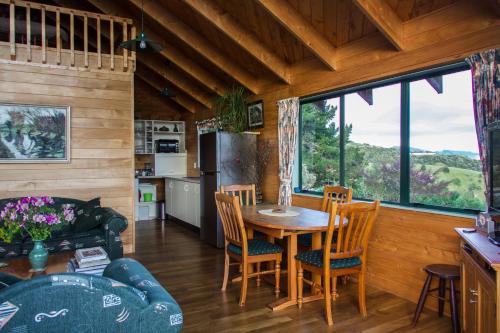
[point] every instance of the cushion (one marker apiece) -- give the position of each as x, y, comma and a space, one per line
257, 247
88, 216
315, 258
72, 242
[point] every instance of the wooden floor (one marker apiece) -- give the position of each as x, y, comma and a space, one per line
192, 272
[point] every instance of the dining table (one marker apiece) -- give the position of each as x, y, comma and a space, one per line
305, 221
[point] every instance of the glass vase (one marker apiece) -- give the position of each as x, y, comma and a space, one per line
38, 256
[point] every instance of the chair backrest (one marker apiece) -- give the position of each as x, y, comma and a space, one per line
352, 236
246, 193
337, 194
232, 222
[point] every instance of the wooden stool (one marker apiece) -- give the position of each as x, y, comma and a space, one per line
444, 273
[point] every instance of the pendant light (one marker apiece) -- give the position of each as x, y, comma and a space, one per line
141, 43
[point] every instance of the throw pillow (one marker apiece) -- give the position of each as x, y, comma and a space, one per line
87, 216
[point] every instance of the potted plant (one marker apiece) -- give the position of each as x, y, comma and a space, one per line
38, 217
230, 110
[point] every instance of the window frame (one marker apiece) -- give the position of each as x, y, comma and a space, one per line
404, 80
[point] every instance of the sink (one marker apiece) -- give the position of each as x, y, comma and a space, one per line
192, 178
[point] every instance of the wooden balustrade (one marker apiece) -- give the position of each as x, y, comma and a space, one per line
46, 22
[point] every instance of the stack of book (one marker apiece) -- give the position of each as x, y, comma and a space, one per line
89, 261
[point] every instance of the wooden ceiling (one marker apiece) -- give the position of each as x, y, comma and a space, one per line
212, 45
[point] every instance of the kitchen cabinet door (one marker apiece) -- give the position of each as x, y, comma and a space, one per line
168, 196
486, 310
469, 293
197, 205
190, 206
179, 200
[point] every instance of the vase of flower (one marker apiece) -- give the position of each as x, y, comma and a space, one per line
38, 256
38, 217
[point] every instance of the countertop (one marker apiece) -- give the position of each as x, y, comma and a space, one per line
195, 180
479, 242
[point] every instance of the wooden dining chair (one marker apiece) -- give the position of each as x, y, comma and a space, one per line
242, 250
346, 257
246, 193
331, 194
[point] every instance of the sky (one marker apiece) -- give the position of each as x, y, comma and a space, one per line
437, 121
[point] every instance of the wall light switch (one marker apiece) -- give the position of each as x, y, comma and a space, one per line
194, 165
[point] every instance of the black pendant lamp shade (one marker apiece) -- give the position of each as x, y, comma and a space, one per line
141, 43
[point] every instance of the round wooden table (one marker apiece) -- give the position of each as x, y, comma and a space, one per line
307, 222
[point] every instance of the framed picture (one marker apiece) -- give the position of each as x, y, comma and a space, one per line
34, 133
255, 114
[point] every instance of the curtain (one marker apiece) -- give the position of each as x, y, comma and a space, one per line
485, 67
288, 123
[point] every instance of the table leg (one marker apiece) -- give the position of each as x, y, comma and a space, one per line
292, 277
316, 245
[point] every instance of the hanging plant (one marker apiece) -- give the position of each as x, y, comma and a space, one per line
230, 110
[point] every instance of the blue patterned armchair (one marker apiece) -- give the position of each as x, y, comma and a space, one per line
126, 299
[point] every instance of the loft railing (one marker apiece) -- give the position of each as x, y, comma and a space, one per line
63, 36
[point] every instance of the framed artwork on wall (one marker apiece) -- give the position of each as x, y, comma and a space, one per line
255, 115
34, 133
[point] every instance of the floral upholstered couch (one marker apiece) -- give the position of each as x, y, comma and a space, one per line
127, 298
104, 230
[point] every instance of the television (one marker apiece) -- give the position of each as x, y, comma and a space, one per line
494, 152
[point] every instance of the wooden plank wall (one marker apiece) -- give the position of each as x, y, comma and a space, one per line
402, 243
102, 160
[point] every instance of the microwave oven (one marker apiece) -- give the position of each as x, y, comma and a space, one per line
167, 146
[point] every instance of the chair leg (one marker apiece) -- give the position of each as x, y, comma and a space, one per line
421, 300
277, 272
334, 288
453, 306
244, 285
362, 293
442, 294
257, 268
226, 271
328, 299
300, 284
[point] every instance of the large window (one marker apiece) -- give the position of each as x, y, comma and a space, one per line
409, 140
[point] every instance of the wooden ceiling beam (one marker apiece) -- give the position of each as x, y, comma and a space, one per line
302, 29
169, 52
168, 104
176, 79
385, 19
186, 103
494, 5
247, 40
198, 43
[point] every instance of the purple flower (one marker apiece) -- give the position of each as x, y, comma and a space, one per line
3, 213
69, 215
52, 219
10, 205
39, 218
13, 216
47, 200
26, 200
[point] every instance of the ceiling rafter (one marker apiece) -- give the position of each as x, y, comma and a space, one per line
169, 52
198, 43
302, 29
385, 19
187, 103
169, 104
247, 40
176, 79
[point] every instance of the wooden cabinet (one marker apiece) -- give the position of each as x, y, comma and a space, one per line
479, 276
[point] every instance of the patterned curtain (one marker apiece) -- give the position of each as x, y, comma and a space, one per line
485, 67
288, 123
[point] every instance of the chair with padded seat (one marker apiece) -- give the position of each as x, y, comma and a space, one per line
346, 257
242, 250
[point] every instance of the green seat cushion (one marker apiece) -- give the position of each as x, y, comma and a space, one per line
315, 258
257, 247
87, 216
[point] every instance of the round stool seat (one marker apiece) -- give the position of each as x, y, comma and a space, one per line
443, 271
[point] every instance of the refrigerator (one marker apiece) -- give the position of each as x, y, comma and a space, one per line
225, 159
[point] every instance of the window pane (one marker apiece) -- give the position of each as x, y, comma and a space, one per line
320, 144
372, 153
445, 165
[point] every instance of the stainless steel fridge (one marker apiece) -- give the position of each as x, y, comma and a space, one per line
225, 159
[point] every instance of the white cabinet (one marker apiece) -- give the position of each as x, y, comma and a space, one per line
170, 164
183, 200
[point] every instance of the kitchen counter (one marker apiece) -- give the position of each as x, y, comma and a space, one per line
195, 180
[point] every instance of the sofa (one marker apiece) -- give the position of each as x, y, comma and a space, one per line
127, 298
105, 233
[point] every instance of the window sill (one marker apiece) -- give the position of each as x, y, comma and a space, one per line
414, 209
